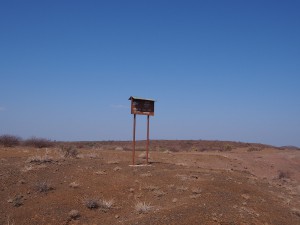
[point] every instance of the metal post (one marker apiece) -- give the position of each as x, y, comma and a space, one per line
133, 150
147, 137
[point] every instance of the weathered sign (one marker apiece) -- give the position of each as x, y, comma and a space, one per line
142, 106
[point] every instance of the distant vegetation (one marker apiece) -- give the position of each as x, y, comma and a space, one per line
38, 142
7, 140
70, 149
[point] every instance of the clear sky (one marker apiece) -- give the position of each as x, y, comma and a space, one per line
219, 70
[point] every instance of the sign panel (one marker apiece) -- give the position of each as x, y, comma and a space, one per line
142, 107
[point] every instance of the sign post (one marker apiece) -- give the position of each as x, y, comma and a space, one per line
141, 106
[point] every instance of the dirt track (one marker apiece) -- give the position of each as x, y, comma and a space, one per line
209, 187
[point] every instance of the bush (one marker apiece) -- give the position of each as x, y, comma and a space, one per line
95, 203
17, 200
142, 207
227, 148
74, 214
69, 151
92, 203
43, 187
38, 142
9, 140
254, 149
39, 159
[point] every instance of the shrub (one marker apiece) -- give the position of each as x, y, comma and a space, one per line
227, 148
253, 149
43, 187
9, 140
69, 151
17, 200
142, 207
38, 142
74, 214
107, 204
39, 159
94, 203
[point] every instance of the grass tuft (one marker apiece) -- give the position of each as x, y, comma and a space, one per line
43, 187
142, 207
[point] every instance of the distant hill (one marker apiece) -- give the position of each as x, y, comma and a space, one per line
290, 147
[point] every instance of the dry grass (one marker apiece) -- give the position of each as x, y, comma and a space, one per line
113, 162
74, 184
182, 188
143, 155
69, 151
159, 193
27, 168
74, 214
148, 174
17, 201
43, 187
182, 177
117, 168
91, 203
254, 149
143, 207
107, 204
101, 172
9, 221
151, 187
196, 191
39, 159
95, 203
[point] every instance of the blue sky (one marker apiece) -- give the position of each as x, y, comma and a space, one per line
219, 70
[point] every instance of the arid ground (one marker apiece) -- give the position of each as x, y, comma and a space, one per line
186, 182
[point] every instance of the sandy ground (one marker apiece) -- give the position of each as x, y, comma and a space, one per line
40, 186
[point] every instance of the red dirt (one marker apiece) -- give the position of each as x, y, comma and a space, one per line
198, 186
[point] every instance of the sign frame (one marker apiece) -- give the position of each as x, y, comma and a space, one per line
141, 106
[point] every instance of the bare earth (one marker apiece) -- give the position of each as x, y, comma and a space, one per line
198, 184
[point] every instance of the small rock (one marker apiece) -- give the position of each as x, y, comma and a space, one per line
117, 168
74, 214
296, 211
117, 216
215, 219
174, 200
22, 181
245, 196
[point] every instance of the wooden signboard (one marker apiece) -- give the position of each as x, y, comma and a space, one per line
142, 106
